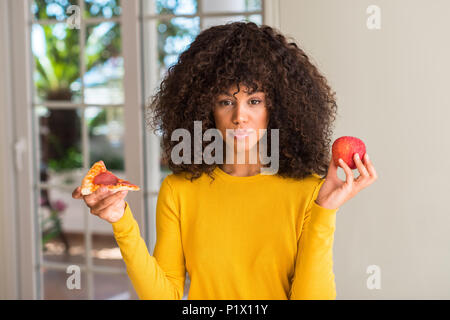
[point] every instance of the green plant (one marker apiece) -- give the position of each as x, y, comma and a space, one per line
51, 226
57, 73
98, 120
72, 159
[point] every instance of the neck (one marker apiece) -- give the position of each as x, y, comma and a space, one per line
241, 170
245, 169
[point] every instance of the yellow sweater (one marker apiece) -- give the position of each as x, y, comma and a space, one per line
258, 237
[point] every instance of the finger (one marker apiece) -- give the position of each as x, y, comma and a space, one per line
361, 168
76, 194
96, 196
109, 200
348, 173
370, 167
332, 168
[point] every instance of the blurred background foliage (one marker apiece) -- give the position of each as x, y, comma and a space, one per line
57, 74
57, 70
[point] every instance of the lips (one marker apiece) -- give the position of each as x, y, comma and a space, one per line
238, 133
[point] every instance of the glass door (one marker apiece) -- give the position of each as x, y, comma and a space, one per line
80, 107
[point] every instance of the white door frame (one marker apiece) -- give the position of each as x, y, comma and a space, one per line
133, 112
271, 13
22, 149
8, 242
133, 104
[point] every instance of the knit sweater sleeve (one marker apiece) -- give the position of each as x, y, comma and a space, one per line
160, 276
313, 275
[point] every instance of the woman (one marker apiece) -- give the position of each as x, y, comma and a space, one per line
239, 233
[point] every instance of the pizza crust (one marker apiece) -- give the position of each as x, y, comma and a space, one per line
89, 186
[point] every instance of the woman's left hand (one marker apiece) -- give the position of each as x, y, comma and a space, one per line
335, 192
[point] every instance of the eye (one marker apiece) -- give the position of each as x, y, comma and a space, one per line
257, 101
224, 102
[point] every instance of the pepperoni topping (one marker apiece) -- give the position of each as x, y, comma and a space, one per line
106, 178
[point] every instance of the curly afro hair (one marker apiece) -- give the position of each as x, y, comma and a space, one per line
299, 101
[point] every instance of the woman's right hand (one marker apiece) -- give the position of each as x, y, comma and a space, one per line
106, 204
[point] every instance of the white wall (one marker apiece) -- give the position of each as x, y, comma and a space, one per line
392, 87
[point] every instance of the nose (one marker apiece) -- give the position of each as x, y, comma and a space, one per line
239, 114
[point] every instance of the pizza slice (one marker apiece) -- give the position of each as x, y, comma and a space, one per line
99, 176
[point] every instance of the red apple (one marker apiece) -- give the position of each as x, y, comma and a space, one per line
345, 148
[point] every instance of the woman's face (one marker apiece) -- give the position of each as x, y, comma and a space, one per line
241, 112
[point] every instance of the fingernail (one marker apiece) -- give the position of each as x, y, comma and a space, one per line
357, 156
367, 156
103, 189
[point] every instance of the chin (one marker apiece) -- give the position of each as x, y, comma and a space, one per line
244, 147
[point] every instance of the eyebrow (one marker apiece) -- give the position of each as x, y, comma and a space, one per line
229, 95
